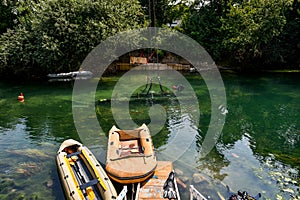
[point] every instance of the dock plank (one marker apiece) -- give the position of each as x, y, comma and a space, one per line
152, 189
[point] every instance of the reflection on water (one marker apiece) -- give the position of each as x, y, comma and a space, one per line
258, 151
259, 148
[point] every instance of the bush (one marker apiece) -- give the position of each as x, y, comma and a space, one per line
55, 36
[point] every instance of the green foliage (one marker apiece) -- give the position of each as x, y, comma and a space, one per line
55, 36
203, 24
6, 18
40, 37
15, 52
246, 33
285, 49
169, 10
251, 25
165, 11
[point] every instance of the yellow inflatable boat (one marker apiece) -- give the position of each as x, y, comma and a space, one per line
81, 174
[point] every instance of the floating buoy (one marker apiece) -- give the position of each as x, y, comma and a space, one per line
21, 97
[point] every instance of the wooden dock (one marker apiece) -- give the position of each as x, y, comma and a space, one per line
152, 67
152, 189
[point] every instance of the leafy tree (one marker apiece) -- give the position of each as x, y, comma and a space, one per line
55, 36
13, 12
6, 17
251, 25
284, 50
244, 33
203, 23
292, 38
163, 11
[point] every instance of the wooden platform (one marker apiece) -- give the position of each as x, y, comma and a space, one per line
152, 67
152, 189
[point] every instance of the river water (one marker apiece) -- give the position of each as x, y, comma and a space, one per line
257, 151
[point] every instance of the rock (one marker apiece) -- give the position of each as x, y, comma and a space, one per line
29, 168
287, 179
24, 172
13, 190
197, 178
30, 153
288, 190
31, 165
279, 197
180, 182
235, 155
294, 182
49, 183
5, 168
184, 179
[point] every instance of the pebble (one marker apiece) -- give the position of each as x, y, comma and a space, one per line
184, 179
288, 190
278, 197
49, 183
197, 178
13, 190
287, 179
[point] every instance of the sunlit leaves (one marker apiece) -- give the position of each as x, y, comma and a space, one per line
245, 32
251, 24
60, 33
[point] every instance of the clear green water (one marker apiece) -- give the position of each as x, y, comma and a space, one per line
258, 151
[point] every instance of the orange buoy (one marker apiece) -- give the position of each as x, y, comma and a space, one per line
21, 97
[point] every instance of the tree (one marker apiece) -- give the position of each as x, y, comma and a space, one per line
243, 33
251, 25
284, 50
55, 36
6, 17
203, 23
162, 12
